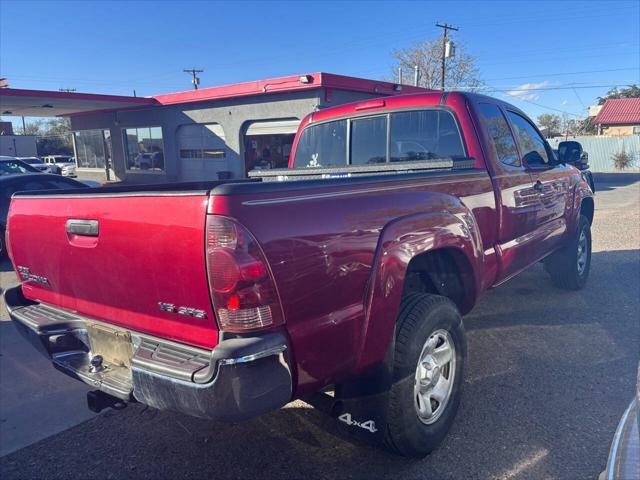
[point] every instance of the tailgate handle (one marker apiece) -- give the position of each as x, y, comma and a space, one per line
87, 228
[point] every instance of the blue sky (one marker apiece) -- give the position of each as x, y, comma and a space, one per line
558, 55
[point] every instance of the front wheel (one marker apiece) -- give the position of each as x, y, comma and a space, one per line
428, 374
569, 268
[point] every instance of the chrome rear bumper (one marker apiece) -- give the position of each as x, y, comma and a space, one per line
239, 379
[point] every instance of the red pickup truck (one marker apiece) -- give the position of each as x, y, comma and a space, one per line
342, 279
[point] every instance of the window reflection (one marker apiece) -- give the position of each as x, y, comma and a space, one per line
144, 149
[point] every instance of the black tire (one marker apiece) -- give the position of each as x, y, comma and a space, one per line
420, 316
563, 266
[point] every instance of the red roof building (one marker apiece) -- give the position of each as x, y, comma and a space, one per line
619, 117
214, 132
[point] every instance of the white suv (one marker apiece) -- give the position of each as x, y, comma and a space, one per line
64, 164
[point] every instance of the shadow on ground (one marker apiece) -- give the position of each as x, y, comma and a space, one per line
609, 181
549, 375
5, 265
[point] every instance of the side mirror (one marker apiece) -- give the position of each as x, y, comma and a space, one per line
569, 152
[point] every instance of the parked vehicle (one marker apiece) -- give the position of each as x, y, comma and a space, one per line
37, 163
65, 165
349, 271
13, 166
21, 181
624, 454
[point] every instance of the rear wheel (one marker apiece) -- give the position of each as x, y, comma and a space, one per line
428, 370
569, 268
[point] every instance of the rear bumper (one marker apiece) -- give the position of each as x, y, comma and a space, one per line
239, 379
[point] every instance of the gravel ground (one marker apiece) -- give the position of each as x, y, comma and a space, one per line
549, 375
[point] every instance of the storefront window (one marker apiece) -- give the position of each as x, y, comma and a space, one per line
143, 148
267, 143
93, 148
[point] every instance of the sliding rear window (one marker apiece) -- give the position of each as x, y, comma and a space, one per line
424, 135
416, 135
323, 145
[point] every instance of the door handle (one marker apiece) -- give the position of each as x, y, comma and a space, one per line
85, 228
538, 186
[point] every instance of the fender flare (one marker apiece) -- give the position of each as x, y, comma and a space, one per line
400, 241
582, 192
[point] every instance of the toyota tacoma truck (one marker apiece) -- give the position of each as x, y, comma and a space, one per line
341, 280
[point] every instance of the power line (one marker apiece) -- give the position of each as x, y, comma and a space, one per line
545, 106
579, 99
538, 89
378, 71
564, 73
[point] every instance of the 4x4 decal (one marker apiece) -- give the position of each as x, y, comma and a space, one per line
369, 425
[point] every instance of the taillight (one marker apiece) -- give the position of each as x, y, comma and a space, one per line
243, 292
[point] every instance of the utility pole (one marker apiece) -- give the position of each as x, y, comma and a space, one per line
195, 80
446, 27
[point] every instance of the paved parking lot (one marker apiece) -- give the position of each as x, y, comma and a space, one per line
549, 375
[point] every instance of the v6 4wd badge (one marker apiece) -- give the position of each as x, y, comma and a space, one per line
369, 425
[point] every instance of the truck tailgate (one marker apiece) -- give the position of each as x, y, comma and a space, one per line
148, 250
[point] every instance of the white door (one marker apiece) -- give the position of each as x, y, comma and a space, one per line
202, 152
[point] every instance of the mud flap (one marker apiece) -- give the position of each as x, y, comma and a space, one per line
364, 417
360, 405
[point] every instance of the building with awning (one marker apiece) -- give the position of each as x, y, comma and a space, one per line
216, 132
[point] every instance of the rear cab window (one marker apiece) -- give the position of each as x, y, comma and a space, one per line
424, 135
368, 140
415, 135
322, 145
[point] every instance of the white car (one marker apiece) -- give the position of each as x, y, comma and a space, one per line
37, 163
64, 164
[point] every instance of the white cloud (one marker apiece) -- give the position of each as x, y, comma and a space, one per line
528, 91
564, 102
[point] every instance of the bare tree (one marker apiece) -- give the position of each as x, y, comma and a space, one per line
571, 126
462, 71
33, 128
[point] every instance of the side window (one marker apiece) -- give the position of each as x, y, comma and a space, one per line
424, 135
369, 141
501, 137
532, 145
323, 145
